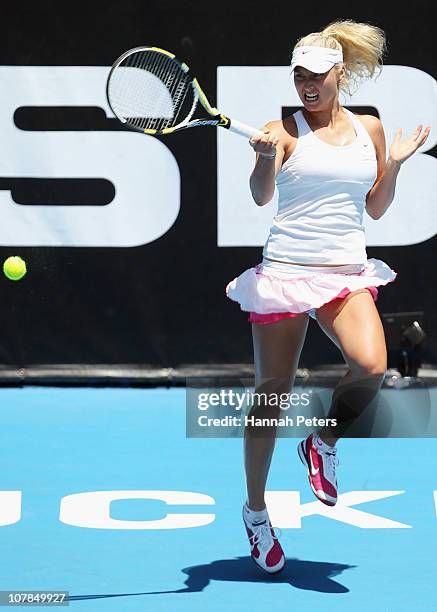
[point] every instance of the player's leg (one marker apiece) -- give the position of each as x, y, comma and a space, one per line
277, 348
354, 325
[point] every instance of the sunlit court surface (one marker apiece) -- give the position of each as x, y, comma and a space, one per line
218, 331
100, 469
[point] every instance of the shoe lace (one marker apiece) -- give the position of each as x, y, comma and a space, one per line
332, 460
262, 532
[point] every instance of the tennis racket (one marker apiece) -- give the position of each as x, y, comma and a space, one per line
151, 91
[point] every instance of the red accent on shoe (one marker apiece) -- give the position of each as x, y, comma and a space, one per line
264, 546
321, 470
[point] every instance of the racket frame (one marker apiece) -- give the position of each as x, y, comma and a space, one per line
216, 119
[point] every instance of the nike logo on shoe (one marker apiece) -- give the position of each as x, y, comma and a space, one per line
314, 470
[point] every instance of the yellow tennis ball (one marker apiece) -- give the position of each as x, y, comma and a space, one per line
14, 268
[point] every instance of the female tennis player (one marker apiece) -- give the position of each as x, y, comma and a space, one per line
329, 164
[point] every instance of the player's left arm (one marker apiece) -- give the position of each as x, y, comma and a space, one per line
382, 193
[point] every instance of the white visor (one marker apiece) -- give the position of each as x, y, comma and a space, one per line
316, 59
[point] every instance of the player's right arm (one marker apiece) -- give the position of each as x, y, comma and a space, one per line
269, 155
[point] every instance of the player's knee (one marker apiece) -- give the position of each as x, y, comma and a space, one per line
372, 366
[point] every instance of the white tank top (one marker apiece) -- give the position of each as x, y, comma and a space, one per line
322, 194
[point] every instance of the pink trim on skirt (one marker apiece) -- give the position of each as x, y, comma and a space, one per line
264, 319
272, 291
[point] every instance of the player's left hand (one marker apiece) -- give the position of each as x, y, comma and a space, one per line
402, 149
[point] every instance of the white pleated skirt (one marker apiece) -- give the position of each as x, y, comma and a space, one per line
273, 290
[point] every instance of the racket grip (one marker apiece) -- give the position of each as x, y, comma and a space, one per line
243, 130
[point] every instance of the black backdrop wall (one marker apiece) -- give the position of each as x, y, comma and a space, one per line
163, 303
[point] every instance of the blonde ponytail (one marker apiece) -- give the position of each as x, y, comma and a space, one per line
363, 47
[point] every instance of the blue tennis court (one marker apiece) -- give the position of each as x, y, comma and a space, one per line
100, 470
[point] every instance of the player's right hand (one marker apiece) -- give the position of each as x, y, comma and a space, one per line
265, 145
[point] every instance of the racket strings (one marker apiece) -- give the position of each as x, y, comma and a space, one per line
149, 90
156, 66
131, 91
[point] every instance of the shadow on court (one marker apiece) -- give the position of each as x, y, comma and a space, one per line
306, 575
